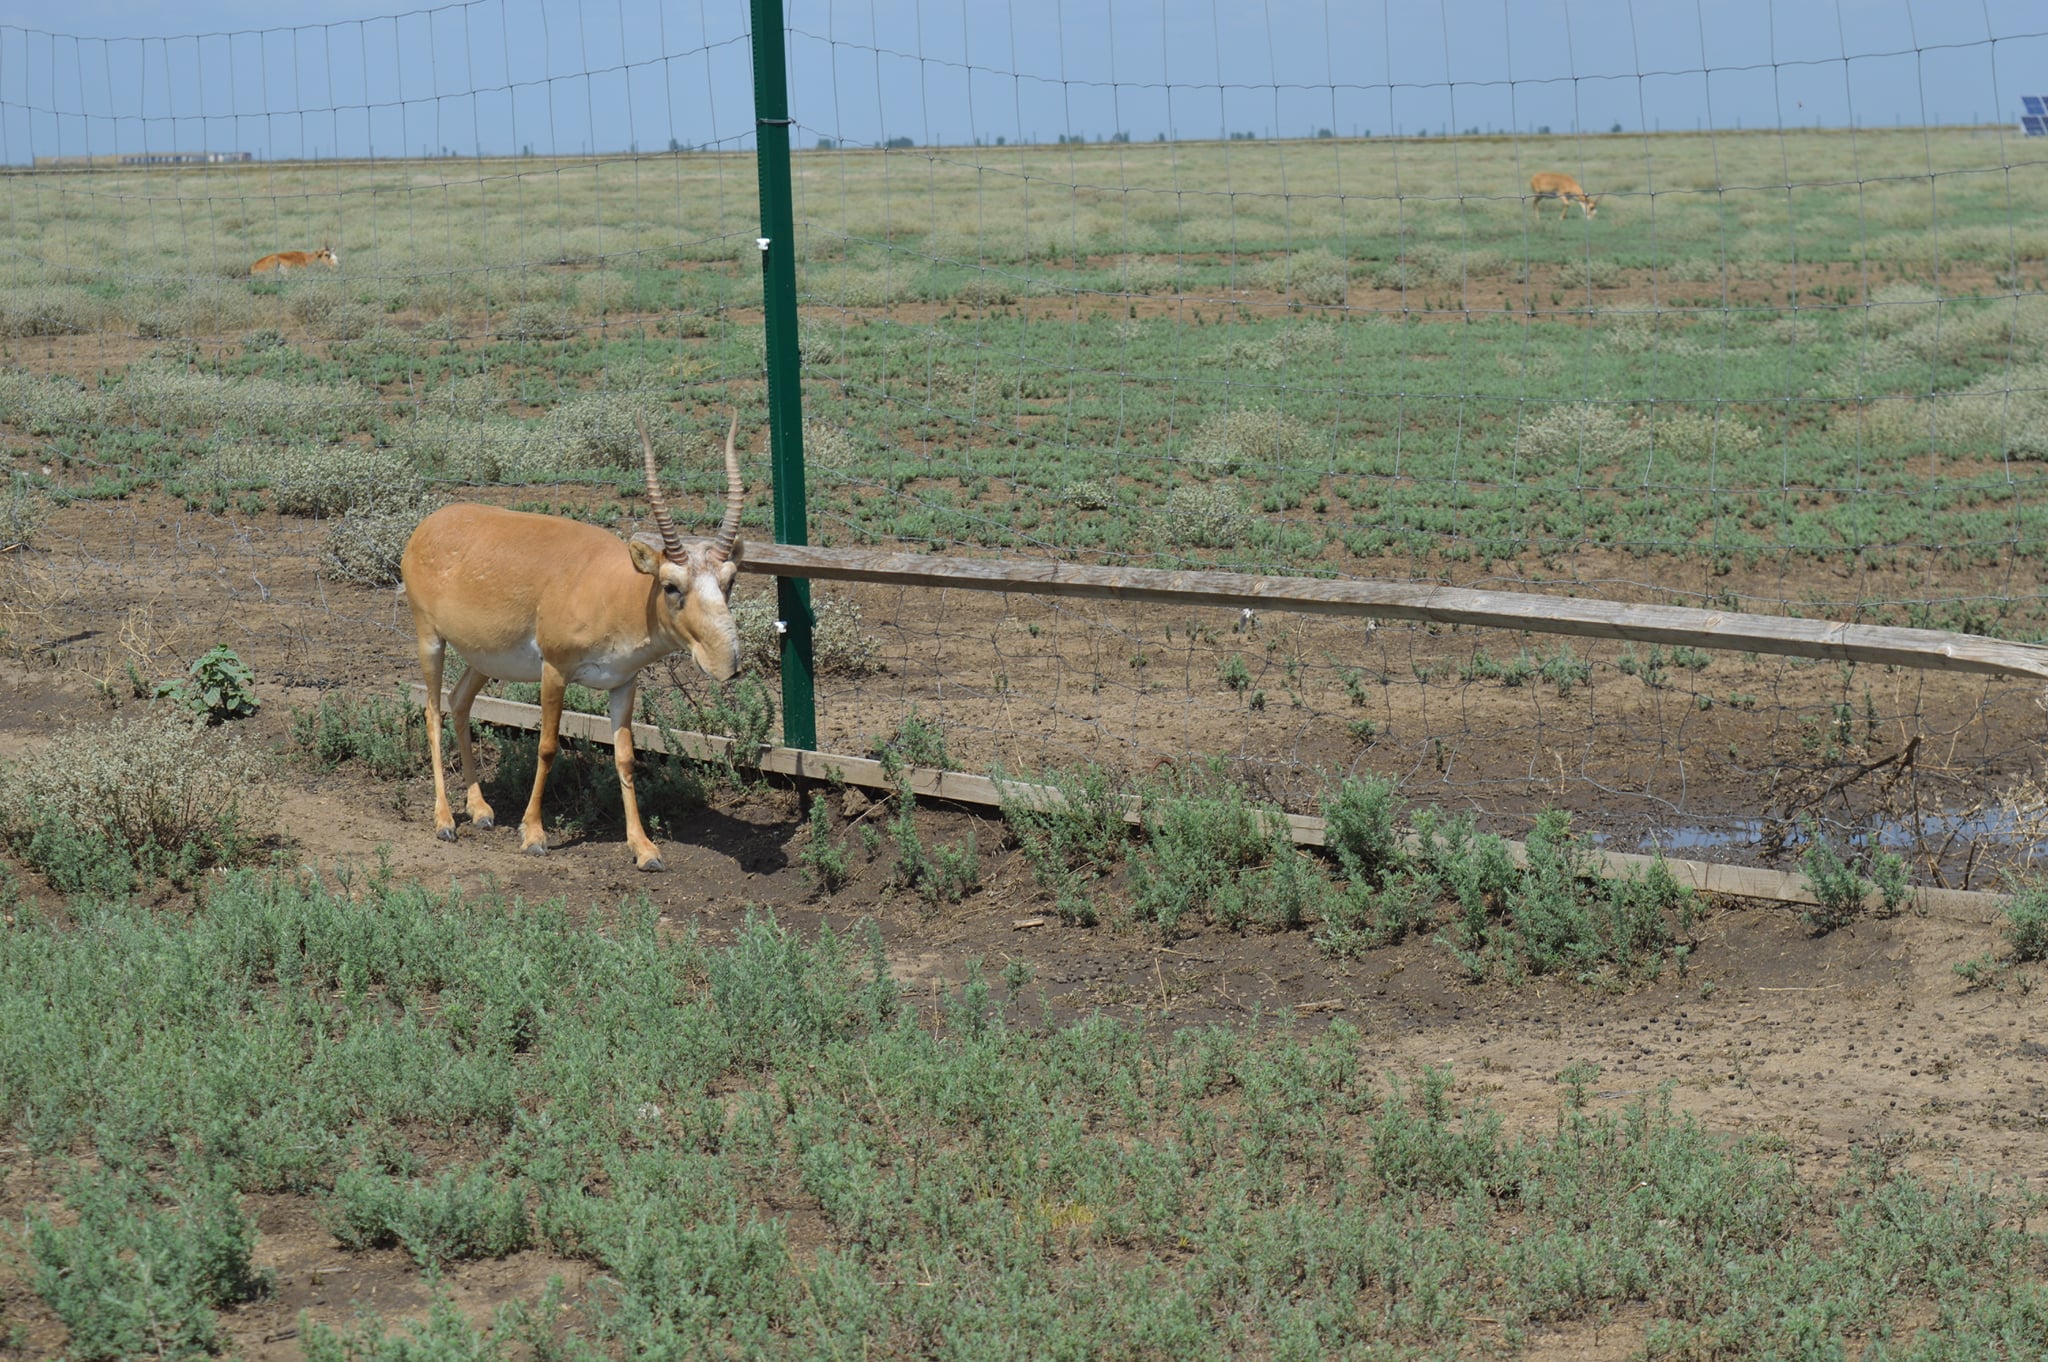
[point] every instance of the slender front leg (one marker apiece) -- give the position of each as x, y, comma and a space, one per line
433, 652
646, 855
473, 681
532, 839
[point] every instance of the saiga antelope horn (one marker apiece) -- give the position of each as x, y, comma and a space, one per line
671, 543
735, 495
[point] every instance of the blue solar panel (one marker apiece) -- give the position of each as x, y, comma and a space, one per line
2036, 127
2037, 105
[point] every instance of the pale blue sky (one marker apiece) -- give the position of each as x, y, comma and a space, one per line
566, 77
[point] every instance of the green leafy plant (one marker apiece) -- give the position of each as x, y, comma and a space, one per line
1072, 840
217, 687
138, 1273
1839, 890
387, 735
822, 858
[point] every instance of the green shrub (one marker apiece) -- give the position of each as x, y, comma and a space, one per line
135, 1277
1073, 840
1362, 829
822, 859
1206, 851
152, 793
1551, 914
217, 687
388, 736
1839, 888
22, 512
2026, 923
455, 1217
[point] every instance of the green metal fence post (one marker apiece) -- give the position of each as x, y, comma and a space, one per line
785, 392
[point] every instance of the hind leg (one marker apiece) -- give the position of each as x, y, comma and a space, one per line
433, 653
473, 681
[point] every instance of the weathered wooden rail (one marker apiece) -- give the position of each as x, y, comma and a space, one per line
964, 788
1929, 649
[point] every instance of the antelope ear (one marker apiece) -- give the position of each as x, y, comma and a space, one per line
646, 557
739, 551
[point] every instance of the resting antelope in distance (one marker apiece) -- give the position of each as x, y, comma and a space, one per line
1551, 185
296, 260
541, 598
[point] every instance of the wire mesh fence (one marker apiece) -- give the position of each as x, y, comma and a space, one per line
1267, 293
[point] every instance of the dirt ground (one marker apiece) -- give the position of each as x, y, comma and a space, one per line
1862, 1039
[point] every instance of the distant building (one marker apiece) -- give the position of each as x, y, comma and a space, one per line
151, 158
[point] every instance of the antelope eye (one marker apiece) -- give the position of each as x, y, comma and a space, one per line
673, 591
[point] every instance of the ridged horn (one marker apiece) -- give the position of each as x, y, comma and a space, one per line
671, 543
735, 494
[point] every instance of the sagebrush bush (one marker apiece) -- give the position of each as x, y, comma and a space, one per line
1208, 515
536, 320
1690, 435
1594, 272
365, 544
2026, 923
1898, 306
1319, 277
841, 643
178, 398
860, 287
23, 509
323, 308
48, 405
598, 430
1581, 431
470, 397
158, 790
497, 449
388, 736
50, 310
603, 291
203, 311
1253, 437
328, 480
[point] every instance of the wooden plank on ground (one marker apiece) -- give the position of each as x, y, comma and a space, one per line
1928, 649
1708, 877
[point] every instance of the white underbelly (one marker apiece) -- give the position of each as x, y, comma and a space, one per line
599, 670
507, 664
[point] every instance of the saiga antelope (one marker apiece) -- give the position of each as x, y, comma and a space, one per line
296, 260
541, 598
1565, 189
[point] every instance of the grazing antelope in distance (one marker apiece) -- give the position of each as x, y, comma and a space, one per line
296, 260
541, 598
1551, 185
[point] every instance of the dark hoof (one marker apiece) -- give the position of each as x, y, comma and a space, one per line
537, 849
653, 865
446, 834
484, 824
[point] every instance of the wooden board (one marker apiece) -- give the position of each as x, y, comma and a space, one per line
963, 788
1920, 648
